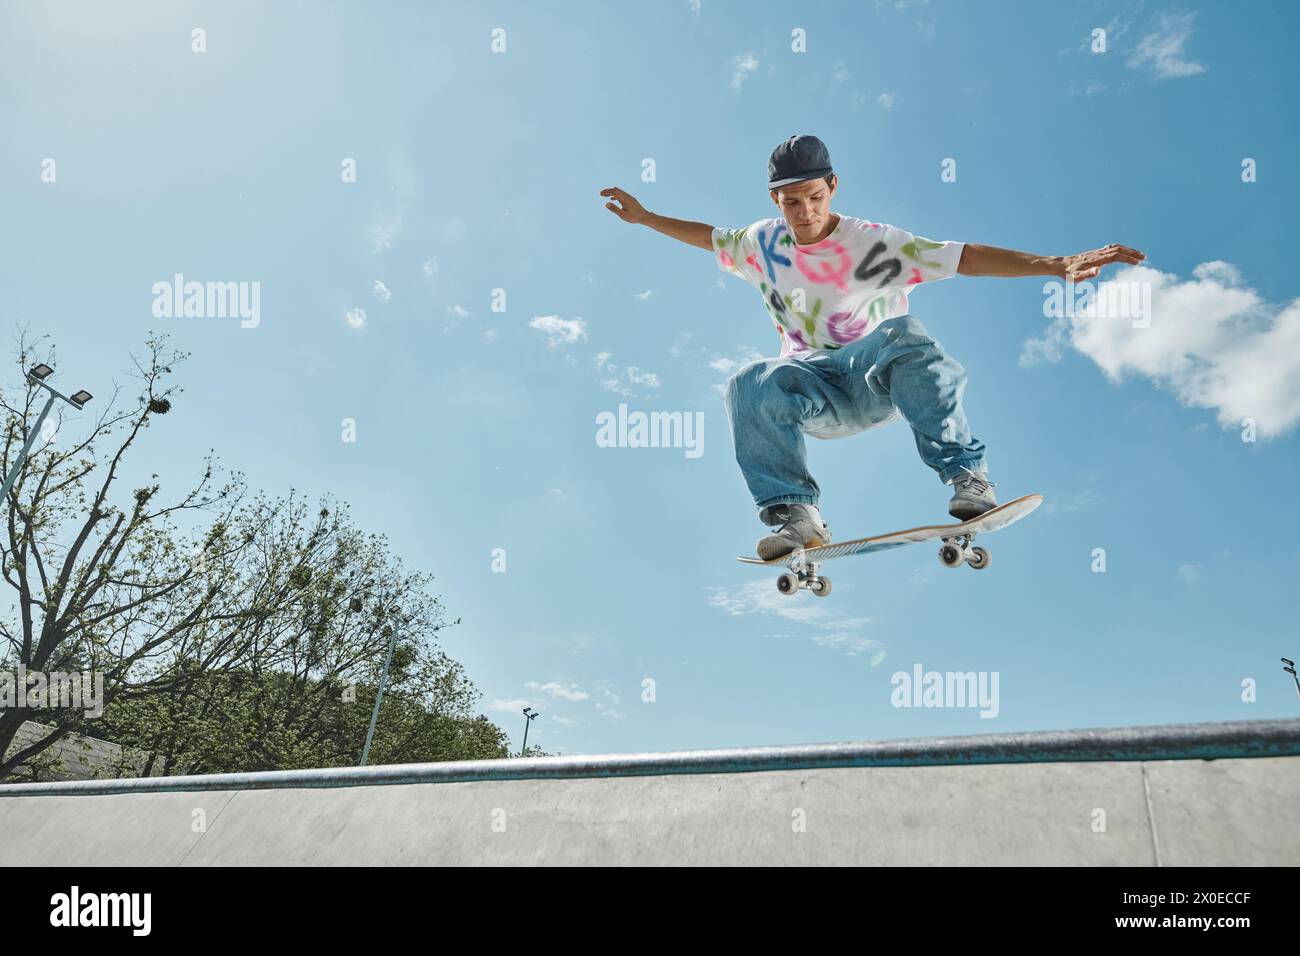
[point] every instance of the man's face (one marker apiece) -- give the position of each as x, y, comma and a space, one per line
806, 207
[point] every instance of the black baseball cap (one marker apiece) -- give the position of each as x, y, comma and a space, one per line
797, 160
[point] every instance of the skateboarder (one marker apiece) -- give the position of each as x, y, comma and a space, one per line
852, 356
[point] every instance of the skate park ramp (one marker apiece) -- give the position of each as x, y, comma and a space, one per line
1216, 794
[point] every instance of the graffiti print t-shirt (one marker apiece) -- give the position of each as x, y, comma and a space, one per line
830, 293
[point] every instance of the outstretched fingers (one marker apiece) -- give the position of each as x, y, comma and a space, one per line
1118, 253
619, 203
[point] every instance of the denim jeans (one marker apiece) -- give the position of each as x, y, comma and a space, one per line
896, 370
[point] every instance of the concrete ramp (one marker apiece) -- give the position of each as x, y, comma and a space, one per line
1200, 794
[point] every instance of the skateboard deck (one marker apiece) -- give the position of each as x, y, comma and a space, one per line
956, 549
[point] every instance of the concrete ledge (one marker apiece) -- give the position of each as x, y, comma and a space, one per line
1210, 741
944, 803
1224, 813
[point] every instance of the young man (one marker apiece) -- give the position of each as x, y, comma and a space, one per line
852, 357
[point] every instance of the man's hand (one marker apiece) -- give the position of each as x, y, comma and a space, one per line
630, 210
1085, 265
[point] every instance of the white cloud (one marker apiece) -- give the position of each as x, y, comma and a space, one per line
514, 705
762, 598
355, 317
1089, 497
1210, 341
558, 690
430, 266
729, 365
1162, 50
580, 644
1087, 87
381, 291
1047, 349
560, 330
743, 67
1224, 273
490, 336
382, 236
1190, 572
612, 377
638, 377
1116, 28
621, 377
886, 100
458, 311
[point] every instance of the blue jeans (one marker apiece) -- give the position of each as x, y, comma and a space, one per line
896, 370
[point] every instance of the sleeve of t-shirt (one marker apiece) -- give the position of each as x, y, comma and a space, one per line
737, 252
909, 259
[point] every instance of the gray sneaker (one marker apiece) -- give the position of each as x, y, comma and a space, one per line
802, 527
972, 495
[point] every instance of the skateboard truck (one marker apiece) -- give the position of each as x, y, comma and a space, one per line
803, 574
957, 549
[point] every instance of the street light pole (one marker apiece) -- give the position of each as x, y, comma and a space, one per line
36, 376
531, 715
379, 699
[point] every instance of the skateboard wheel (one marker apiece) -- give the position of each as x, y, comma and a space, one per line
823, 588
787, 584
978, 559
951, 556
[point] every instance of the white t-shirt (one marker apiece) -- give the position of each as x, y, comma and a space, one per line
830, 293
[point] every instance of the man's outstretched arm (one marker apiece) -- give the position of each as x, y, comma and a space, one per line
625, 206
979, 260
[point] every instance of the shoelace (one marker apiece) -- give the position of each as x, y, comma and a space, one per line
790, 519
973, 481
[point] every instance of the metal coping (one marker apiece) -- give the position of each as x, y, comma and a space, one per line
1207, 741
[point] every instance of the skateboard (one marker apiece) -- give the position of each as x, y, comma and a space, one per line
955, 550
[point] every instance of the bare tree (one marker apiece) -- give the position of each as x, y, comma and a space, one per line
230, 633
104, 584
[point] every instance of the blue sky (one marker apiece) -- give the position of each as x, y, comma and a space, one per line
480, 171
